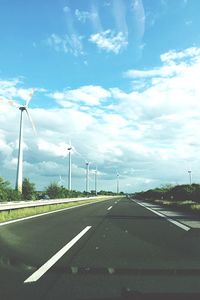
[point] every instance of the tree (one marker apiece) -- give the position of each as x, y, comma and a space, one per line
28, 190
7, 193
54, 191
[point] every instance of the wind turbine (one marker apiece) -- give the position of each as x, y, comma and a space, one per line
69, 148
190, 173
83, 158
95, 180
117, 183
60, 181
22, 108
190, 176
87, 176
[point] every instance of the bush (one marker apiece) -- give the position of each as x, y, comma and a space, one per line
28, 190
7, 193
172, 193
54, 191
13, 195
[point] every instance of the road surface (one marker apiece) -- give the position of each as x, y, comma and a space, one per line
98, 251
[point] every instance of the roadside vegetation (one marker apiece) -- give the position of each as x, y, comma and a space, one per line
29, 192
182, 197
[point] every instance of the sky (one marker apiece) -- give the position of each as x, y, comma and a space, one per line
118, 79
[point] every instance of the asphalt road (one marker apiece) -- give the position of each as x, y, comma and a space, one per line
123, 247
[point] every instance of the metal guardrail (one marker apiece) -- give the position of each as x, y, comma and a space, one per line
25, 204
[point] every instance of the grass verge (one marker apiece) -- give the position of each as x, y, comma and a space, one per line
27, 212
185, 206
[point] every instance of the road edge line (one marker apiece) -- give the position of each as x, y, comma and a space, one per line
181, 225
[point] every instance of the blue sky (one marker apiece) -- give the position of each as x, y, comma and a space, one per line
117, 77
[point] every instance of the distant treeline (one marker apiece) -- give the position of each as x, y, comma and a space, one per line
173, 193
53, 191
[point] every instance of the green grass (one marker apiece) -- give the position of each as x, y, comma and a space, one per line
26, 212
186, 205
195, 207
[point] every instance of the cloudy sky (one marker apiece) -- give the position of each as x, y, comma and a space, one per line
119, 78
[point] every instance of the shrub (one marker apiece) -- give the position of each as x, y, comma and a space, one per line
28, 190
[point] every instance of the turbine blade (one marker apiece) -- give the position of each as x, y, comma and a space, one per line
30, 97
69, 144
75, 151
31, 121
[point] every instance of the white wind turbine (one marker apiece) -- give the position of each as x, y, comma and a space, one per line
22, 108
60, 181
117, 183
95, 180
69, 148
87, 164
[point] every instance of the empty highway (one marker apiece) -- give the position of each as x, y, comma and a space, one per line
98, 251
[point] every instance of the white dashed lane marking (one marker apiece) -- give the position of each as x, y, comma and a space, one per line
44, 268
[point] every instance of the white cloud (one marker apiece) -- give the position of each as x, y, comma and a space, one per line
59, 149
119, 12
89, 95
185, 2
83, 16
5, 148
174, 63
139, 15
12, 90
189, 53
148, 135
66, 9
162, 72
110, 41
188, 22
66, 43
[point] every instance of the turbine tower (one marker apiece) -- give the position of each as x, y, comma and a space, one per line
117, 183
19, 177
190, 176
95, 181
70, 169
87, 177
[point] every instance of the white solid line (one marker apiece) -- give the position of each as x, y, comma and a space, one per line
47, 213
165, 217
44, 268
109, 208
